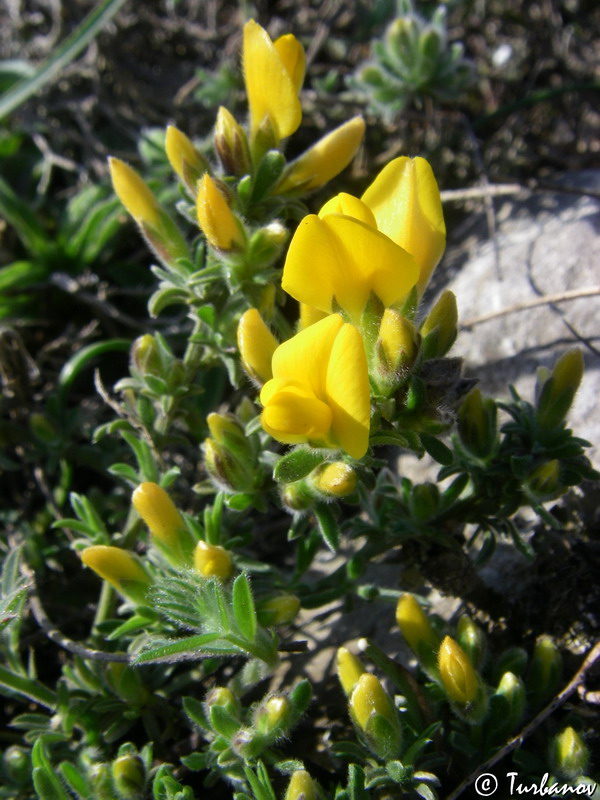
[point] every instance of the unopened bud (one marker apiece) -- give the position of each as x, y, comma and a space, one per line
145, 356
418, 632
120, 568
439, 328
301, 787
349, 669
375, 716
558, 391
424, 501
512, 689
129, 776
278, 610
212, 560
231, 144
569, 754
461, 682
397, 344
222, 696
472, 640
477, 424
336, 479
271, 718
217, 221
164, 521
544, 482
544, 673
256, 344
185, 160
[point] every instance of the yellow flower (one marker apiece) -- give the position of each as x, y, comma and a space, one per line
215, 217
324, 160
164, 521
256, 344
405, 200
319, 392
340, 257
273, 73
119, 567
212, 560
135, 195
309, 315
183, 157
415, 626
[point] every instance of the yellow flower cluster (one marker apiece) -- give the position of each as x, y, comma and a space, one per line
384, 245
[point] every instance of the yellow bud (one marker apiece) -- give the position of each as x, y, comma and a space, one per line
256, 344
266, 306
369, 697
569, 753
133, 192
558, 391
293, 58
440, 326
472, 640
222, 696
183, 157
215, 217
544, 481
324, 160
456, 671
158, 511
416, 627
279, 610
271, 717
231, 143
336, 479
309, 315
397, 340
129, 776
301, 786
212, 560
119, 567
349, 669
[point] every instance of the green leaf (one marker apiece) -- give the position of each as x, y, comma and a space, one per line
45, 780
163, 298
223, 722
22, 274
19, 215
27, 687
243, 607
191, 647
267, 174
75, 781
356, 783
196, 712
82, 359
328, 527
296, 465
437, 450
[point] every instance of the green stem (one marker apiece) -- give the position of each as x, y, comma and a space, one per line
105, 604
68, 50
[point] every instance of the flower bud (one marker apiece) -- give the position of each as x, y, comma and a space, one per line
256, 344
375, 716
424, 501
397, 344
512, 689
418, 632
544, 482
301, 787
278, 610
145, 356
212, 560
183, 157
16, 764
165, 523
216, 219
222, 696
272, 717
544, 672
558, 391
100, 776
461, 682
324, 160
439, 328
569, 754
129, 776
120, 568
231, 144
477, 424
472, 640
230, 472
349, 669
159, 230
336, 479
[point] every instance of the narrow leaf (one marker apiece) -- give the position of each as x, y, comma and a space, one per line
243, 607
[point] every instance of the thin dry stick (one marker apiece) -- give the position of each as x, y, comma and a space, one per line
576, 681
489, 190
548, 299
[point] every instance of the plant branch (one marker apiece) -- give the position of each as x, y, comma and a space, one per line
549, 299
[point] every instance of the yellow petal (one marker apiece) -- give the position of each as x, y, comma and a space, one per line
308, 316
348, 392
271, 92
293, 417
159, 513
325, 159
212, 560
114, 565
349, 206
256, 344
134, 193
406, 202
304, 358
292, 57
